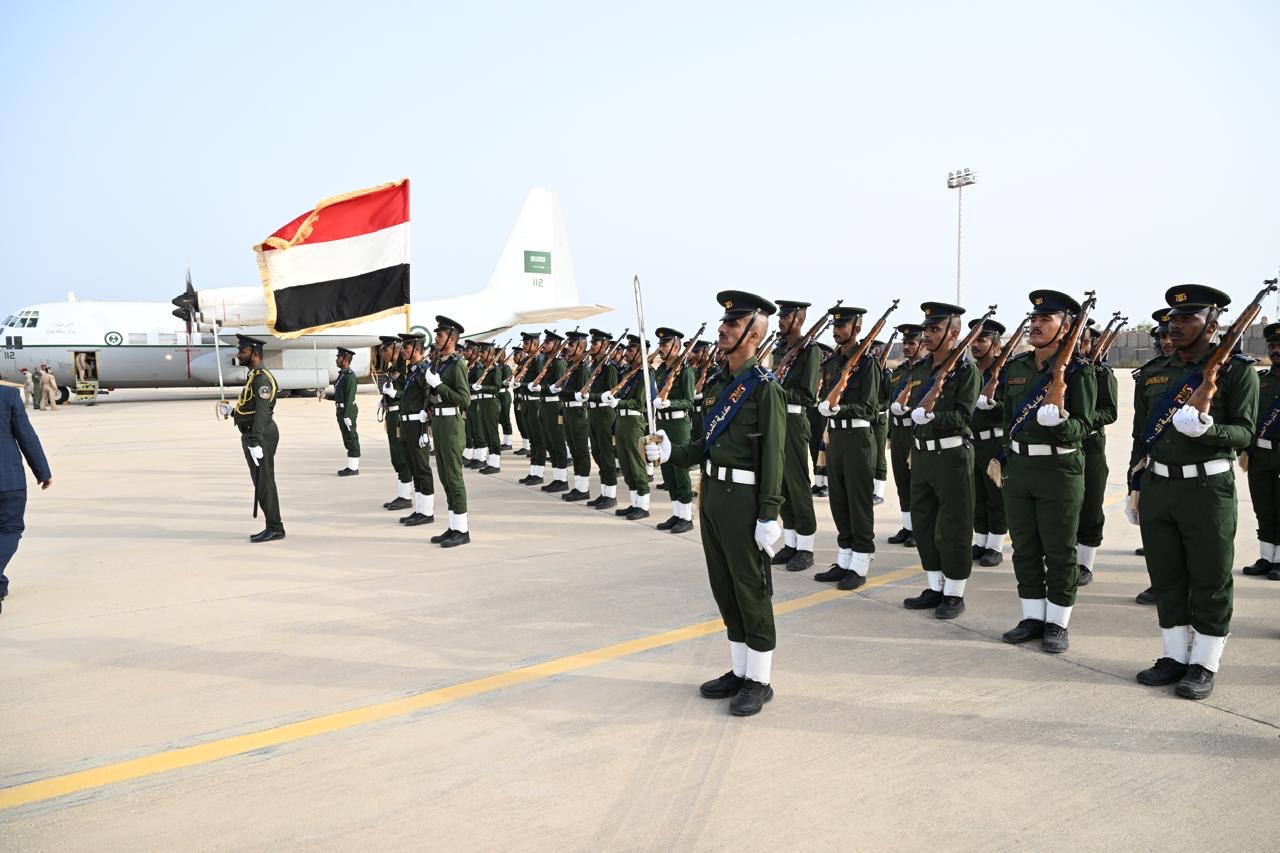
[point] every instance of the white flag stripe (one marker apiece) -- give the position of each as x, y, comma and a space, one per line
337, 259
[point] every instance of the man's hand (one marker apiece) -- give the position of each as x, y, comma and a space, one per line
658, 451
608, 399
920, 416
389, 389
767, 532
433, 378
662, 403
475, 386
44, 484
1050, 415
1191, 422
534, 389
897, 408
580, 397
347, 421
827, 410
986, 403
422, 440
255, 453
1131, 507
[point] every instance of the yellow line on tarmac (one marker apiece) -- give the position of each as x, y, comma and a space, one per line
203, 753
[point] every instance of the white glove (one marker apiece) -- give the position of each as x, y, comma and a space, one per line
897, 408
422, 440
475, 386
1191, 423
767, 532
827, 410
224, 409
580, 397
613, 403
660, 403
660, 453
433, 378
987, 404
255, 453
389, 389
534, 389
920, 416
347, 421
697, 397
1131, 509
510, 384
608, 399
554, 390
1050, 415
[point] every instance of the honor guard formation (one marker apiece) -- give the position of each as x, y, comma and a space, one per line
996, 441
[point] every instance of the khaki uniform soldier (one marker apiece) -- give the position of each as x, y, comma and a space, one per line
549, 411
253, 415
800, 388
672, 414
601, 419
487, 454
630, 429
900, 427
1187, 510
1043, 474
346, 410
393, 374
1262, 462
450, 396
28, 390
576, 429
48, 390
742, 457
989, 526
851, 451
537, 441
1105, 412
941, 464
415, 419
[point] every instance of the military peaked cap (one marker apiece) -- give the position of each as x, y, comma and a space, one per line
662, 333
739, 303
845, 313
935, 312
1052, 302
443, 322
910, 331
1190, 298
989, 327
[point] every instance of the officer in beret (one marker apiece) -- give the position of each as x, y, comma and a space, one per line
577, 429
631, 409
989, 527
601, 419
742, 457
1044, 470
1184, 496
1105, 412
344, 402
1262, 462
851, 452
671, 411
394, 369
254, 416
800, 388
415, 421
941, 463
900, 431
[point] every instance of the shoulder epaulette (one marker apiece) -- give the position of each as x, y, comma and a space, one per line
1137, 372
1022, 356
766, 375
1247, 359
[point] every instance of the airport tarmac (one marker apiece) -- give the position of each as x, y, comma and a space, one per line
168, 685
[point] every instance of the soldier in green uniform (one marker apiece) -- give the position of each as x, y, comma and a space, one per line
800, 388
601, 419
1163, 349
415, 420
900, 427
541, 376
393, 371
989, 527
630, 429
574, 413
818, 440
1043, 474
672, 414
254, 416
519, 396
486, 387
880, 430
1105, 412
1187, 511
473, 453
700, 363
742, 457
503, 369
533, 410
346, 410
851, 451
941, 463
1262, 463
450, 396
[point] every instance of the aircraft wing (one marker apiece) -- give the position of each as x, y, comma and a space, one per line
552, 315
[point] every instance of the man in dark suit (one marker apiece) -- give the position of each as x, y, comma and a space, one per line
17, 439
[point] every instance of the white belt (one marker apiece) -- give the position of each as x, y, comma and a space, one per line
393, 408
848, 423
903, 421
794, 409
672, 416
574, 405
736, 475
629, 413
340, 405
1039, 449
994, 432
417, 416
444, 411
939, 443
1186, 472
1264, 443
482, 396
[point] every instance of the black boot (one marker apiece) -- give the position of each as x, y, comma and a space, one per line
901, 536
398, 503
991, 557
458, 538
489, 469
555, 486
636, 513
669, 523
416, 519
723, 687
783, 556
976, 551
267, 536
682, 525
929, 599
1147, 596
575, 495
348, 472
1196, 684
1027, 629
607, 503
1086, 576
1163, 671
851, 580
800, 561
1055, 639
1261, 567
911, 541
524, 451
833, 573
623, 511
750, 698
950, 607
437, 539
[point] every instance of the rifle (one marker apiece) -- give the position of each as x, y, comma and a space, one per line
679, 368
595, 374
766, 347
989, 390
1104, 340
546, 365
1104, 347
812, 335
630, 375
1057, 392
884, 353
496, 358
712, 361
524, 367
833, 399
1203, 395
930, 399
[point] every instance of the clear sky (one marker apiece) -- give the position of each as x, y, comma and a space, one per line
796, 150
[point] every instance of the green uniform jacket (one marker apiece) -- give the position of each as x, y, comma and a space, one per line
554, 372
954, 407
800, 387
984, 420
765, 414
256, 405
344, 394
1268, 393
1022, 375
1107, 409
492, 383
861, 398
608, 378
633, 397
454, 389
572, 383
415, 394
681, 396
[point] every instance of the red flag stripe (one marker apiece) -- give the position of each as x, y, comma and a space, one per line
348, 215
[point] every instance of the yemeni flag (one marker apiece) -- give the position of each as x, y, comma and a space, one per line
345, 262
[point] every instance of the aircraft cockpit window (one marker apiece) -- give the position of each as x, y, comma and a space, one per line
24, 320
11, 320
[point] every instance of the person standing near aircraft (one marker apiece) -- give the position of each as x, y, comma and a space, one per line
344, 401
602, 419
393, 372
630, 428
48, 389
672, 414
900, 432
259, 436
450, 396
576, 428
28, 388
800, 387
414, 438
18, 440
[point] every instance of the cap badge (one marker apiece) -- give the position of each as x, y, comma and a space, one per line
1179, 297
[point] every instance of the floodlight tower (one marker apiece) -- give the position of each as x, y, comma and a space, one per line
958, 180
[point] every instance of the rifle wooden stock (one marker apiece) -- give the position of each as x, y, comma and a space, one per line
989, 390
1105, 339
665, 393
884, 353
837, 392
546, 365
712, 361
1056, 395
815, 331
613, 351
766, 347
630, 375
1104, 347
497, 359
1203, 396
930, 399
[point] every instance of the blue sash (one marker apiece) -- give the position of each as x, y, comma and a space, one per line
734, 396
1270, 421
1160, 417
1034, 400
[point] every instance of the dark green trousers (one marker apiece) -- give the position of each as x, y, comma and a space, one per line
578, 432
797, 495
504, 413
817, 435
988, 498
450, 433
519, 405
851, 455
1092, 518
417, 458
350, 438
487, 426
553, 434
1264, 491
900, 456
942, 509
736, 568
263, 475
1188, 536
679, 484
537, 440
881, 427
635, 471
1042, 496
398, 462
601, 420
